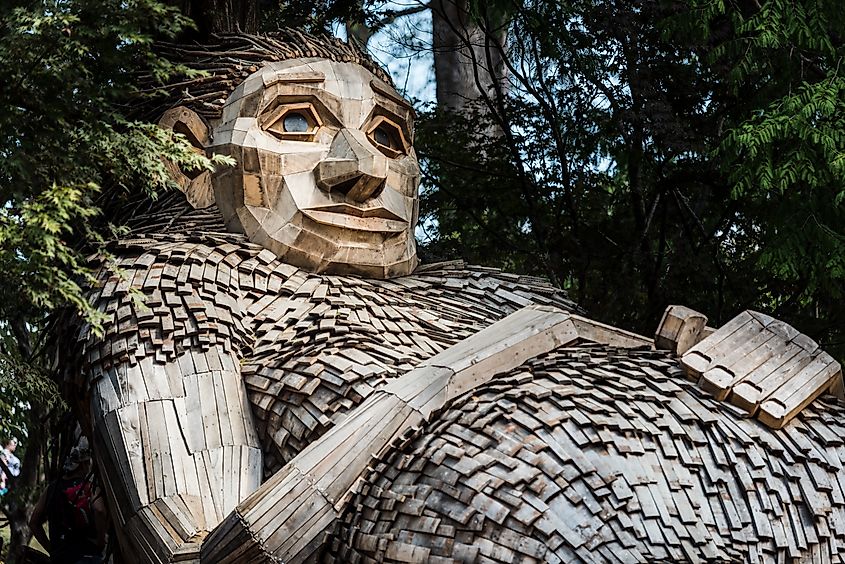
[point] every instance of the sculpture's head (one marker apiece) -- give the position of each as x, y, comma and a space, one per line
326, 175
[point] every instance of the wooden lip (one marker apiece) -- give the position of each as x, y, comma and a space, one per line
347, 221
346, 209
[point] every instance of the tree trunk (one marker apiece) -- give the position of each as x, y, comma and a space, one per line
221, 16
468, 54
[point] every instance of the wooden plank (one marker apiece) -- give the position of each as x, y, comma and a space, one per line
748, 393
723, 333
209, 411
334, 463
224, 416
793, 395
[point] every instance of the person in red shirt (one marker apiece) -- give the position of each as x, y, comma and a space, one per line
75, 513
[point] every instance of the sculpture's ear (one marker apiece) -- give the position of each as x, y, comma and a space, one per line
196, 184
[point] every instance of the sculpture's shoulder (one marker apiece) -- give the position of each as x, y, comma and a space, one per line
161, 292
396, 322
486, 287
325, 343
595, 453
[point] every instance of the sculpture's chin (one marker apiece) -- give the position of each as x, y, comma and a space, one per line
351, 261
382, 271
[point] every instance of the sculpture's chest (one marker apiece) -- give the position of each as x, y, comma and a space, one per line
323, 344
311, 347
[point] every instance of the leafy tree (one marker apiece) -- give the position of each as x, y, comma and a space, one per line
66, 149
783, 149
655, 153
607, 187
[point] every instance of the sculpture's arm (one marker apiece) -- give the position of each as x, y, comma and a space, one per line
287, 517
176, 448
172, 430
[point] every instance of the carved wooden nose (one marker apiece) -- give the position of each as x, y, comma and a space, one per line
353, 167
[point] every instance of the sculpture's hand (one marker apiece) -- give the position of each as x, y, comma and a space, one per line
286, 518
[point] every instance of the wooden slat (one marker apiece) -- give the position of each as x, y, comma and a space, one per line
291, 511
756, 360
785, 402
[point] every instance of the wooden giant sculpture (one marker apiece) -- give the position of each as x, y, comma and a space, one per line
295, 388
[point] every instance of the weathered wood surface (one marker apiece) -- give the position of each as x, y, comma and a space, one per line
596, 454
679, 329
763, 366
311, 348
220, 311
221, 364
301, 351
227, 58
196, 185
288, 516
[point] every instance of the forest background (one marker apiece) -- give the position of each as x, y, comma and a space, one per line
638, 153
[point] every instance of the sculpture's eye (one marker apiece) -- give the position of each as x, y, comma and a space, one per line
292, 122
295, 122
382, 137
387, 137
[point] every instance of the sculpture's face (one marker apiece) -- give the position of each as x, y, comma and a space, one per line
326, 176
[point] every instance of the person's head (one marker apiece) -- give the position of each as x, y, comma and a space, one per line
78, 462
11, 444
326, 175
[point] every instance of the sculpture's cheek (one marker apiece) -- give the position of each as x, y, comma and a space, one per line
404, 174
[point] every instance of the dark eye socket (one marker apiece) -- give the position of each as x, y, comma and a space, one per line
383, 137
387, 137
295, 122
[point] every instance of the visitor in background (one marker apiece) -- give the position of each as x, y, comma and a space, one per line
13, 463
75, 513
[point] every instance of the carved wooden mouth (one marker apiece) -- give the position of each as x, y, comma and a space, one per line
347, 209
374, 224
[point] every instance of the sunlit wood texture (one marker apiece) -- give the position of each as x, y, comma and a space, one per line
596, 454
287, 518
629, 441
225, 57
309, 348
337, 197
763, 366
679, 329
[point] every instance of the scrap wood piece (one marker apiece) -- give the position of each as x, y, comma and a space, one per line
680, 329
763, 366
714, 511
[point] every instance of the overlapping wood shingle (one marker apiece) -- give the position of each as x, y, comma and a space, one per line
589, 453
188, 307
595, 454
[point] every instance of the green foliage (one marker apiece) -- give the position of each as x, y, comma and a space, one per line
604, 185
784, 152
69, 68
790, 158
22, 383
657, 153
67, 152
